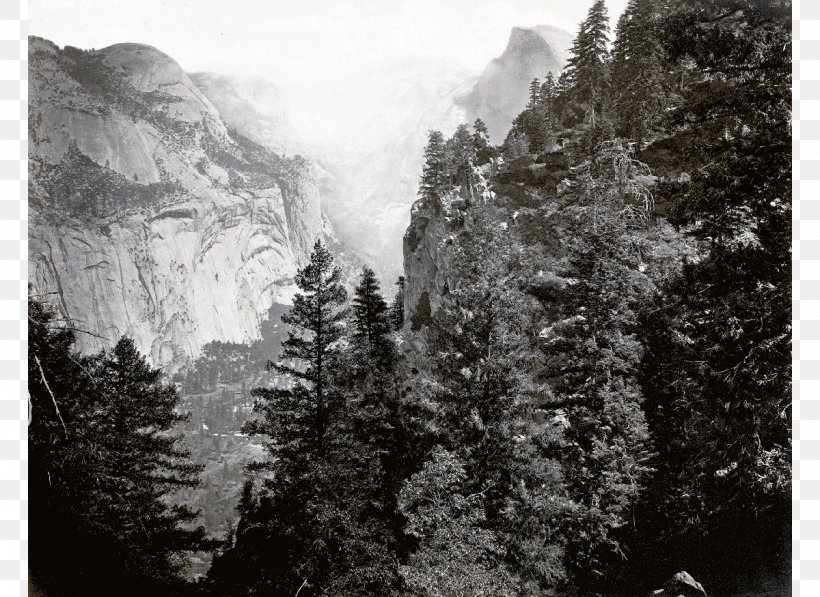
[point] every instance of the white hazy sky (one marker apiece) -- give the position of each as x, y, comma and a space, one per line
301, 44
296, 40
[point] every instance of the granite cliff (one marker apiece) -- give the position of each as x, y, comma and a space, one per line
149, 215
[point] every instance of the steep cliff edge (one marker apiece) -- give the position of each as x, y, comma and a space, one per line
148, 216
430, 240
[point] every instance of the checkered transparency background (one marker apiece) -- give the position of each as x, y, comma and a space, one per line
13, 251
13, 292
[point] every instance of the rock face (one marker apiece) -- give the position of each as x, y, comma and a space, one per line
425, 263
428, 241
681, 585
148, 216
502, 91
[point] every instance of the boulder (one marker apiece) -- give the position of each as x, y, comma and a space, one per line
681, 585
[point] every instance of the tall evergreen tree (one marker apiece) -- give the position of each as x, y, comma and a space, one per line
516, 145
587, 70
461, 158
371, 321
374, 393
434, 172
535, 93
719, 386
299, 418
548, 94
314, 521
457, 556
103, 463
640, 71
477, 404
484, 151
397, 308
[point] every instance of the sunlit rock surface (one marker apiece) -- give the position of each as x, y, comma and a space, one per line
148, 216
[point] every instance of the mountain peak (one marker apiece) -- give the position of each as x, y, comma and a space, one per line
148, 215
502, 91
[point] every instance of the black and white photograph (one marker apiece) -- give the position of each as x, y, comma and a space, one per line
409, 298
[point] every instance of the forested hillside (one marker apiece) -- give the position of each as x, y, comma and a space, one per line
581, 388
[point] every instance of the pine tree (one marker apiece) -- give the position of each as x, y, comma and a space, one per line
141, 411
103, 464
318, 522
371, 320
535, 93
484, 151
587, 71
434, 173
564, 113
299, 418
460, 158
475, 401
373, 389
719, 390
516, 145
397, 308
639, 71
548, 94
457, 556
593, 359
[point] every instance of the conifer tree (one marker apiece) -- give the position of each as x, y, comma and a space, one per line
587, 71
299, 418
483, 150
516, 145
318, 523
460, 157
535, 93
548, 93
719, 388
371, 320
103, 463
456, 555
434, 172
639, 71
371, 326
141, 411
478, 408
373, 387
397, 308
563, 104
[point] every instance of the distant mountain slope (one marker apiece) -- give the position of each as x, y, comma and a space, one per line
148, 216
378, 182
502, 91
375, 156
376, 161
253, 107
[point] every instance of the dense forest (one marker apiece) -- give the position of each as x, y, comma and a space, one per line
598, 398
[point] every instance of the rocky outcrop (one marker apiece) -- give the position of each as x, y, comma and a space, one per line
426, 262
681, 585
428, 242
502, 91
149, 216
